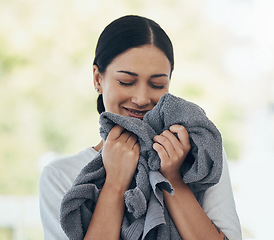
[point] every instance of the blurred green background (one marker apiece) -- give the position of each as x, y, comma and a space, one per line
48, 104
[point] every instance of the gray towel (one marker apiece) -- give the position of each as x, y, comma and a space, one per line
145, 213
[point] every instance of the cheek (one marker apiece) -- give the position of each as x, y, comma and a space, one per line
114, 95
156, 97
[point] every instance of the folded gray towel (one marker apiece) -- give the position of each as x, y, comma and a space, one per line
201, 170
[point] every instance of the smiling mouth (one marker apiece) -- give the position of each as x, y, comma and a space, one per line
136, 113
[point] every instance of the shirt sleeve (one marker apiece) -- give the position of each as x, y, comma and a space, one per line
52, 188
219, 205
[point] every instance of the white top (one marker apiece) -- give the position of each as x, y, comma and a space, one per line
58, 176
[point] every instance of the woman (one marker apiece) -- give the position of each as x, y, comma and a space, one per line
131, 71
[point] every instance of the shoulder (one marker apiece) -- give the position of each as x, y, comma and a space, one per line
76, 161
56, 179
64, 170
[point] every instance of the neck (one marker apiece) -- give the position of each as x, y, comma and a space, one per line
99, 146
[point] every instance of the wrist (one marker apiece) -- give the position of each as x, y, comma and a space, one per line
114, 187
176, 180
173, 177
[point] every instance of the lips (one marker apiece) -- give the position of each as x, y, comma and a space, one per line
136, 113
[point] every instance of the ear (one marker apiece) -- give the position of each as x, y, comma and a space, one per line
97, 79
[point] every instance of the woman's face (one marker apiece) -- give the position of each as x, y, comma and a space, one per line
134, 81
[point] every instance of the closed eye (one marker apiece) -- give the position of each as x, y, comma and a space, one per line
157, 87
125, 83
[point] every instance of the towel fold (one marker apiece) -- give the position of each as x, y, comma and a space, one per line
145, 213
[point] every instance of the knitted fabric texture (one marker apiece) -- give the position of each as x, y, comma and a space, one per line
145, 213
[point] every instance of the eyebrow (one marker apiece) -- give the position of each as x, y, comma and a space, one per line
129, 73
136, 75
159, 75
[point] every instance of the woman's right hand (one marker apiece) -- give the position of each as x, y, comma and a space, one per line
120, 157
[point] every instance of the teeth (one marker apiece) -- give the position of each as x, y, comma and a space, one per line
137, 113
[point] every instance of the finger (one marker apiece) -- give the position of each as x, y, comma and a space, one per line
172, 138
182, 134
160, 150
125, 136
132, 140
136, 146
165, 143
115, 132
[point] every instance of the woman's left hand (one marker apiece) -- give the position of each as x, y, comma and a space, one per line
172, 151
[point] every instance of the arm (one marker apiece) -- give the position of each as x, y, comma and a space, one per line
120, 157
188, 216
107, 217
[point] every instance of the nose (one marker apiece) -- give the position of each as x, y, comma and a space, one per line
141, 97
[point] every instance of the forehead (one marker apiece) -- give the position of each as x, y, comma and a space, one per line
145, 59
